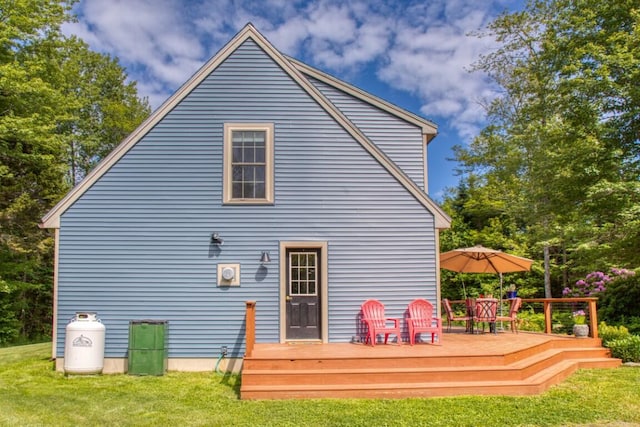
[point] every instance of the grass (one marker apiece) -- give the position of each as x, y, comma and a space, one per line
33, 394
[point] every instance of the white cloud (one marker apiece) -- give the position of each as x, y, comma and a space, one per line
332, 23
149, 37
331, 34
368, 42
288, 36
432, 59
420, 47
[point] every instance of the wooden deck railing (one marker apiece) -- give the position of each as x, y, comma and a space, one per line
250, 327
250, 319
548, 302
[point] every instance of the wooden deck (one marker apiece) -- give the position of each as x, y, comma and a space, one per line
464, 364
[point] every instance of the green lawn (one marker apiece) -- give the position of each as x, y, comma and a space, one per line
31, 393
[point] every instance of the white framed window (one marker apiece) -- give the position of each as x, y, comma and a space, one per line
248, 163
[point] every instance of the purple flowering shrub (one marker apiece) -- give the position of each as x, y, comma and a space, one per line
595, 282
619, 304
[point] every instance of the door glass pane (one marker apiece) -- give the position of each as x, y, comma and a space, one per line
303, 273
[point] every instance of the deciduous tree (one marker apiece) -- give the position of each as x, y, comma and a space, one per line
62, 108
561, 151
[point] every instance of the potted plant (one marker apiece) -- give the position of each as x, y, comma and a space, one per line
512, 292
580, 328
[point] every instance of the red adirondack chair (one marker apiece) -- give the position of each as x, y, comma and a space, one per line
373, 316
421, 319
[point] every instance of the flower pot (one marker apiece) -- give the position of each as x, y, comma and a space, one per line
581, 331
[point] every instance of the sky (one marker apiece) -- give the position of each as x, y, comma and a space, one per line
416, 54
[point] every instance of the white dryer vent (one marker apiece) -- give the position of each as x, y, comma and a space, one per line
228, 274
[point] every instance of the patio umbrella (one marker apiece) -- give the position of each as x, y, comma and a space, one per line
479, 259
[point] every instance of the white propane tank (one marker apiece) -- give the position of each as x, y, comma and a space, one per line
84, 344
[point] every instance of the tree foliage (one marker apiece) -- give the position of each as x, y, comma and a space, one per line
102, 106
478, 218
62, 108
560, 155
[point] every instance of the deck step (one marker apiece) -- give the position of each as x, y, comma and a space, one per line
535, 384
523, 372
381, 374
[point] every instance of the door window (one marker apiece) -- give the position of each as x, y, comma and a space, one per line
303, 273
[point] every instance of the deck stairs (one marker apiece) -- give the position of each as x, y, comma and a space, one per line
401, 371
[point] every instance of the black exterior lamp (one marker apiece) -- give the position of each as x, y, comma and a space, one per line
216, 239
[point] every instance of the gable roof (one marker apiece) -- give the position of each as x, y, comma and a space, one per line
295, 70
429, 129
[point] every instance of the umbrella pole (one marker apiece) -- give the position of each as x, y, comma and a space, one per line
501, 325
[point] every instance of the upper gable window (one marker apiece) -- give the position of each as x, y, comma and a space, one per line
248, 163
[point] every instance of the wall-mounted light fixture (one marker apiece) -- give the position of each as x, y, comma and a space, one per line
265, 258
216, 239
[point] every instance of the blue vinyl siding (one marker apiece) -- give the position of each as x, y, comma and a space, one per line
400, 141
136, 245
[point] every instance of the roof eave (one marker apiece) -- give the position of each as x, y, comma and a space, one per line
428, 127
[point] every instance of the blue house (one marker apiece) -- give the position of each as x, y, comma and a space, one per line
261, 179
